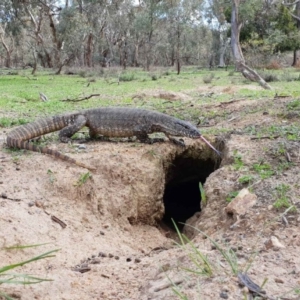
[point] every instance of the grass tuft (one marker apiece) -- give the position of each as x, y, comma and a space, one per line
14, 278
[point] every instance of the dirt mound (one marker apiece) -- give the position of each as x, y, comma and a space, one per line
112, 247
166, 95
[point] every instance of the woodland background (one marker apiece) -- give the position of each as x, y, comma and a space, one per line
127, 33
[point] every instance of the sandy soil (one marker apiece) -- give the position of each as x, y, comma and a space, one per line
112, 246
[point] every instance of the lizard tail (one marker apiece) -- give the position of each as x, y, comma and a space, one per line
14, 143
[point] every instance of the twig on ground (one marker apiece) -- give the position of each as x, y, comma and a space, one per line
80, 99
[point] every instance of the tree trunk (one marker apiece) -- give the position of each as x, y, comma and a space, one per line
88, 53
8, 51
236, 26
65, 62
223, 48
240, 65
35, 62
8, 59
295, 58
178, 49
136, 54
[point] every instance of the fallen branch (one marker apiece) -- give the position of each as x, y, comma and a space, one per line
252, 75
4, 196
265, 137
80, 99
60, 222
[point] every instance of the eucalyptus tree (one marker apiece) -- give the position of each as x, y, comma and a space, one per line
241, 10
288, 23
219, 25
45, 32
10, 29
181, 18
146, 24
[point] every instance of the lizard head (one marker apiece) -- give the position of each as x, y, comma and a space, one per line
187, 129
191, 131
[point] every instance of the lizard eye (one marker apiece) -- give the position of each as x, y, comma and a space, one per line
185, 126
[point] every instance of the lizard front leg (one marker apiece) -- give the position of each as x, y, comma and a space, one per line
66, 133
158, 128
179, 142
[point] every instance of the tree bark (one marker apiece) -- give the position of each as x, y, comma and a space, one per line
240, 65
35, 61
178, 48
8, 50
236, 26
295, 60
252, 75
88, 52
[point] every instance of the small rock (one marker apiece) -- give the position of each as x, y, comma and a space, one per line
223, 295
166, 267
117, 257
102, 233
110, 255
273, 242
4, 196
82, 147
95, 261
278, 280
296, 270
241, 203
31, 203
137, 260
102, 254
128, 259
225, 288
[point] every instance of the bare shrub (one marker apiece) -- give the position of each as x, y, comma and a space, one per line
269, 77
208, 79
274, 65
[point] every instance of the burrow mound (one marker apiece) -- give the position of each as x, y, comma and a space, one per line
144, 184
133, 184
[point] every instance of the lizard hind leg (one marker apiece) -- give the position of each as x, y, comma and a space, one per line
75, 125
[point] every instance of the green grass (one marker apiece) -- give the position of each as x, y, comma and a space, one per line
294, 104
238, 162
231, 196
8, 122
246, 179
20, 92
83, 178
7, 277
203, 198
264, 170
282, 198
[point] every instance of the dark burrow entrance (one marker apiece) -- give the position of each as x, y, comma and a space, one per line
182, 198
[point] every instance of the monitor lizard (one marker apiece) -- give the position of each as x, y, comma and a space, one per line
105, 121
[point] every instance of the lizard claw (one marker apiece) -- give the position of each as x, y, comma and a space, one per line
179, 142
